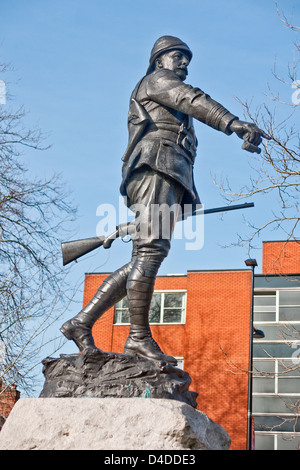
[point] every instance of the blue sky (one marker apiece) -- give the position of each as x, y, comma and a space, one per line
76, 63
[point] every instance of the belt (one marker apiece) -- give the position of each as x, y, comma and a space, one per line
180, 136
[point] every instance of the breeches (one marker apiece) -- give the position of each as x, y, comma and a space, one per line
155, 199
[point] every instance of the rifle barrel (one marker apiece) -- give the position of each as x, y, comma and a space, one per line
228, 208
246, 205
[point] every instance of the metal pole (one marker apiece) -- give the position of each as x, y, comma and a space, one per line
251, 263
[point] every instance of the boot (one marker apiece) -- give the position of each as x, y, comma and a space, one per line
140, 286
112, 290
140, 342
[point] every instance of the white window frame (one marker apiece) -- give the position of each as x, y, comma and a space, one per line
275, 434
162, 307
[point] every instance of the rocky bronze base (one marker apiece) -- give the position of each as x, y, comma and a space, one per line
101, 375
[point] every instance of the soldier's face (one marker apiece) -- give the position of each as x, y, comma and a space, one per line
176, 61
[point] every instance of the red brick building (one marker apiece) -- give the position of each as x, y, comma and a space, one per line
8, 398
281, 257
203, 318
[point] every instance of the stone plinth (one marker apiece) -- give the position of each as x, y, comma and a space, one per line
109, 424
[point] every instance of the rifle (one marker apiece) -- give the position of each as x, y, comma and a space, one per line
73, 250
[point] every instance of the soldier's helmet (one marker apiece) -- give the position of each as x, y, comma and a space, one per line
165, 44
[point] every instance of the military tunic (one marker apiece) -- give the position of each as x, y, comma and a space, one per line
168, 143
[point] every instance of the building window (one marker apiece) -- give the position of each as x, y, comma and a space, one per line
276, 379
167, 307
122, 312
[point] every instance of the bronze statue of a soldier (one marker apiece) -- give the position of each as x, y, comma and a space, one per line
157, 170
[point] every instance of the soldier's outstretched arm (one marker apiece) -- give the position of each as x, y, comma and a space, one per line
167, 89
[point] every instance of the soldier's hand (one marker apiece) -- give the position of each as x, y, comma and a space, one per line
250, 133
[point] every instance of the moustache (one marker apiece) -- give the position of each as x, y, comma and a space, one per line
184, 69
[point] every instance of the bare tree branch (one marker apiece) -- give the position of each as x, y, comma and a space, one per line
34, 216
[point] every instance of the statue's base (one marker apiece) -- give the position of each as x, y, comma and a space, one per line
96, 374
109, 424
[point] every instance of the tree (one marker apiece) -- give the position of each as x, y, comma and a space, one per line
33, 216
276, 170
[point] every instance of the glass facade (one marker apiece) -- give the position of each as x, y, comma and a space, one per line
276, 369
